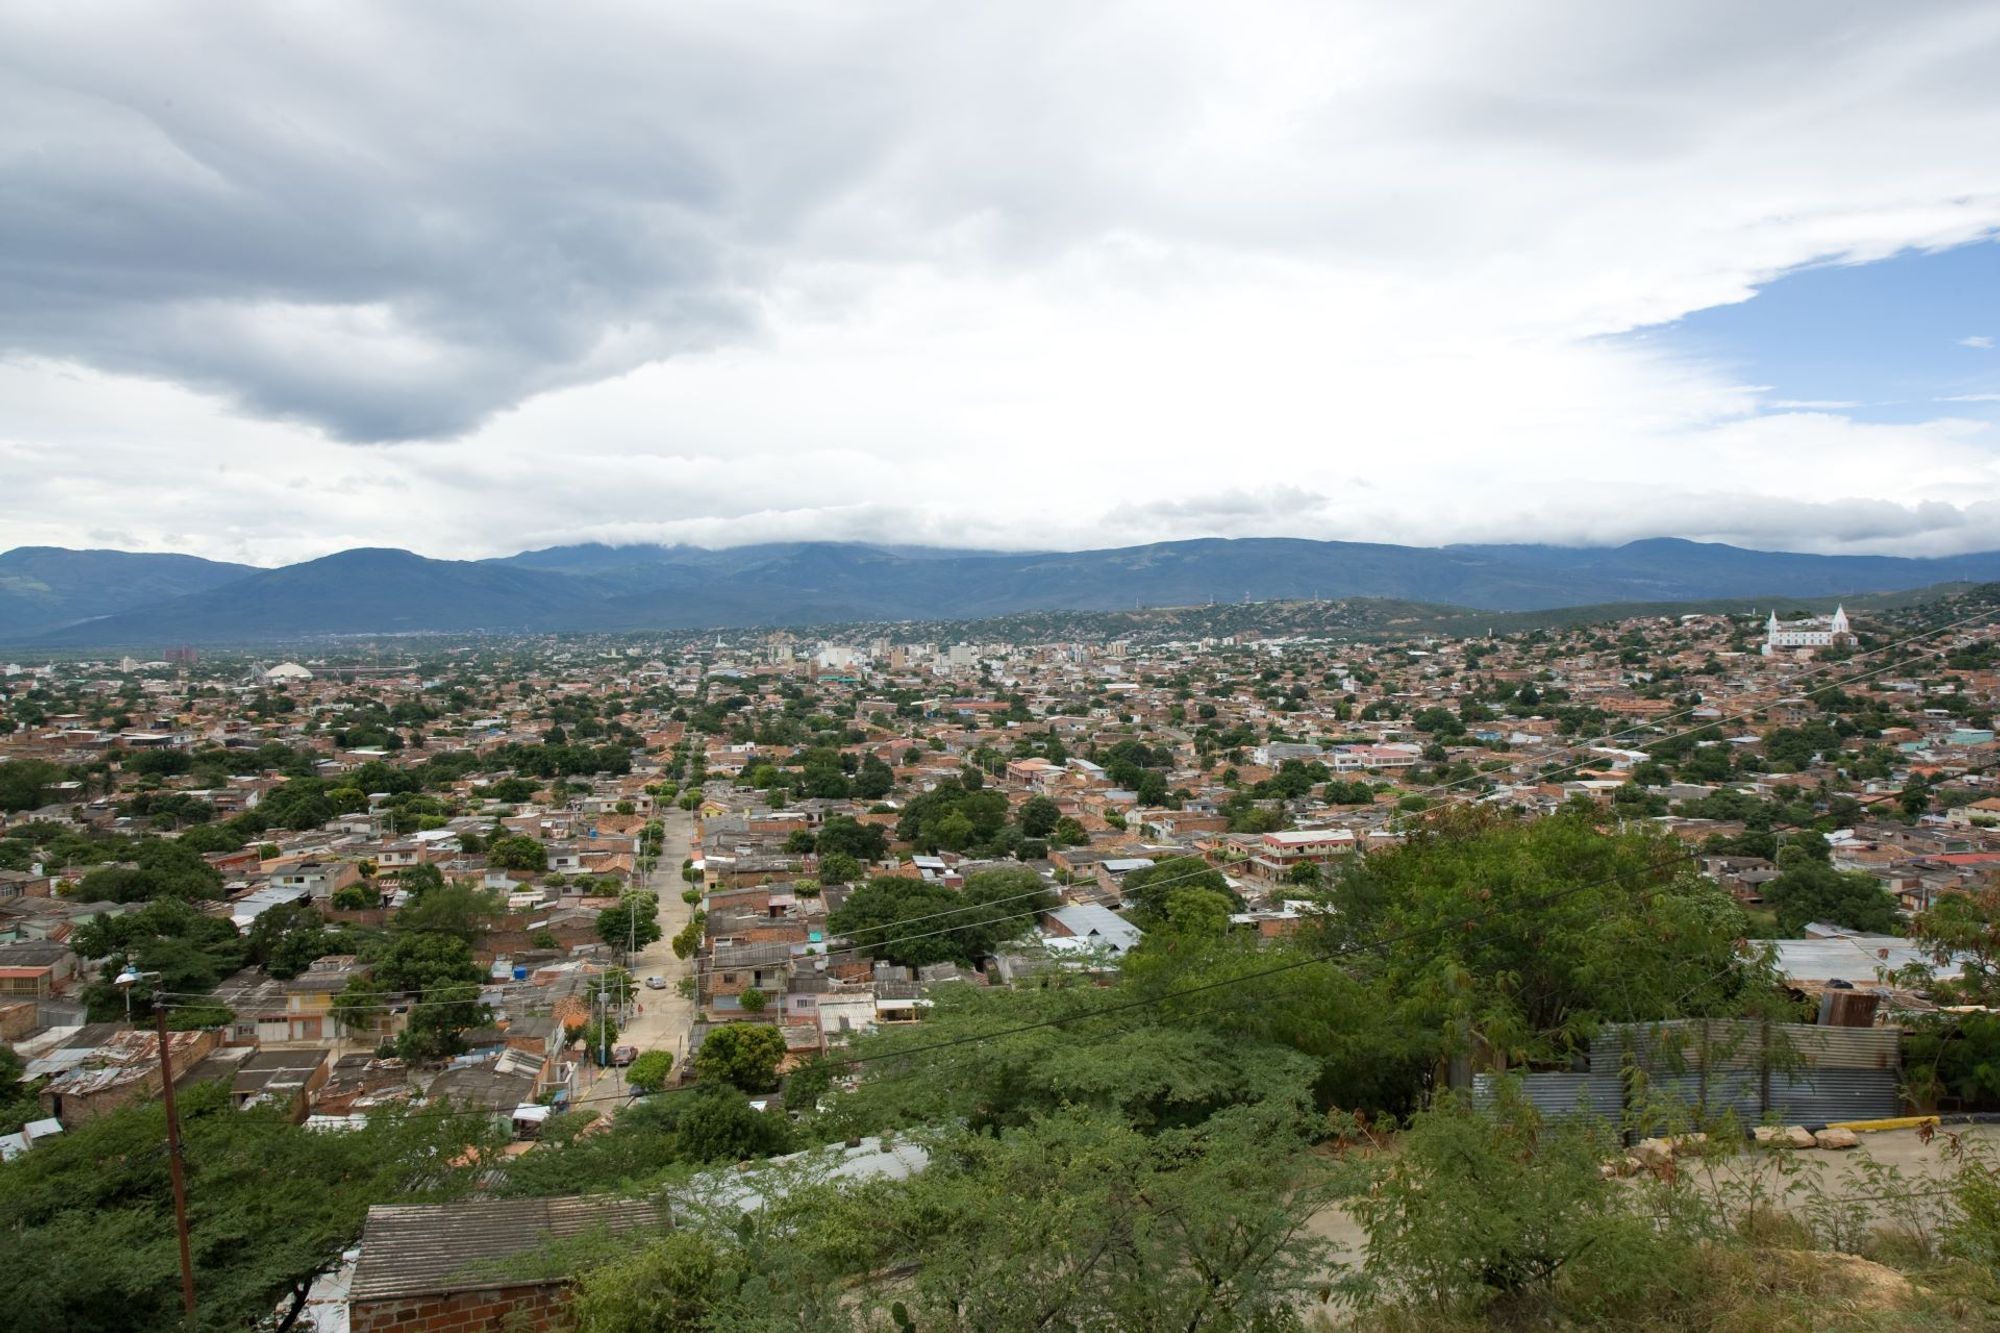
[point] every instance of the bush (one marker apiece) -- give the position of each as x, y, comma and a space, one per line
649, 1072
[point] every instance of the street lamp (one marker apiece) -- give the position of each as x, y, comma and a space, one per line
126, 980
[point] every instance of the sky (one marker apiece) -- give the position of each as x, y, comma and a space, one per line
471, 277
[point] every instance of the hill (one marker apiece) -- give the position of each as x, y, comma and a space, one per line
45, 587
596, 587
355, 592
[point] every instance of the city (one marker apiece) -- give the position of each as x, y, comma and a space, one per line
555, 884
1299, 667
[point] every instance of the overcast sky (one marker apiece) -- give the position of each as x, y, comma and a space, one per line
468, 278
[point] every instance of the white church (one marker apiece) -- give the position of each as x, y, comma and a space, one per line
1813, 632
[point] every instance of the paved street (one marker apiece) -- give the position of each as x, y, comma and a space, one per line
665, 1024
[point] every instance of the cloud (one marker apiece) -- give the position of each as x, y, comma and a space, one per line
1976, 340
1024, 276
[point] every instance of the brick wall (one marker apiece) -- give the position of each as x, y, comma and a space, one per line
524, 1309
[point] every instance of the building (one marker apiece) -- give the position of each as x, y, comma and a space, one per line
447, 1266
1814, 632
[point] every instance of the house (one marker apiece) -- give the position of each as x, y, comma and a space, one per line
309, 1000
1275, 855
497, 1083
455, 1266
123, 1068
35, 970
1086, 927
283, 1078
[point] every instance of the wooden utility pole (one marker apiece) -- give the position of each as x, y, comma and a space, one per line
174, 1157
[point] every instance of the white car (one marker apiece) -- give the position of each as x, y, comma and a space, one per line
656, 983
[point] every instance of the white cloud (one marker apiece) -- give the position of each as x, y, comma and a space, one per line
1976, 340
1026, 276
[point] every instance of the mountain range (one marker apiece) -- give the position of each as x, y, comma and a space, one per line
60, 598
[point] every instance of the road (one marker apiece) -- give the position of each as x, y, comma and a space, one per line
668, 1017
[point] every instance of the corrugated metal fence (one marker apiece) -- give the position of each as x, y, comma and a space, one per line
1645, 1074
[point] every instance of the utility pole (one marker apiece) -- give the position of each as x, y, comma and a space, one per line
174, 1156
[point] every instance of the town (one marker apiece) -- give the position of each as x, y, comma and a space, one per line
561, 889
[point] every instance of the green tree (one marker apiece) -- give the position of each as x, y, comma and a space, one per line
518, 852
1500, 1210
649, 1072
419, 880
1149, 891
1528, 934
24, 783
1809, 890
745, 1055
633, 923
274, 1207
160, 868
1039, 816
914, 922
438, 980
459, 910
838, 868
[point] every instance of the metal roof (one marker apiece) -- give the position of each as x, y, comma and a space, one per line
426, 1249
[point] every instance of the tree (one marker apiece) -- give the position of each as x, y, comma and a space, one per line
191, 950
1961, 929
851, 837
914, 922
276, 1204
356, 898
1479, 1207
419, 880
687, 941
518, 852
460, 910
1068, 833
24, 783
440, 980
1527, 935
285, 939
160, 868
634, 922
753, 1000
745, 1055
1809, 890
1149, 891
649, 1071
1039, 816
838, 868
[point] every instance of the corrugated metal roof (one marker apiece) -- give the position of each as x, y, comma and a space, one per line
422, 1249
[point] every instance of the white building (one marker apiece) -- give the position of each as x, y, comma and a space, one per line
1814, 632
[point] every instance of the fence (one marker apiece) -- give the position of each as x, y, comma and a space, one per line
1795, 1073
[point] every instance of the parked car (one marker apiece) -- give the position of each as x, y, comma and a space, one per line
624, 1055
656, 983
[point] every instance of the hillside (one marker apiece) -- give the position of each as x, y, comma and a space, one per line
354, 592
45, 587
595, 587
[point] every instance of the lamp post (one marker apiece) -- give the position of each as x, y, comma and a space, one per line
129, 978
